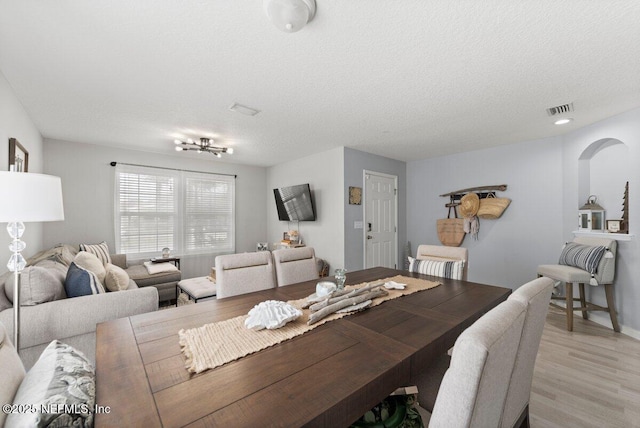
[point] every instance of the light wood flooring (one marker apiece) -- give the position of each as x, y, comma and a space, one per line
586, 378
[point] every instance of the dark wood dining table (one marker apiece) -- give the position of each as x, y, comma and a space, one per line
327, 377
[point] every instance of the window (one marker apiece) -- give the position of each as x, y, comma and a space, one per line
188, 212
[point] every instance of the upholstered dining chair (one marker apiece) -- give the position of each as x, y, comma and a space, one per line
295, 265
474, 388
535, 295
444, 253
243, 273
585, 260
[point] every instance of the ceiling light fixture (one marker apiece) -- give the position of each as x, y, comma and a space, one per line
204, 145
563, 121
290, 15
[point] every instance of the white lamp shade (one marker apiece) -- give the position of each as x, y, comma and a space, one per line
30, 197
290, 15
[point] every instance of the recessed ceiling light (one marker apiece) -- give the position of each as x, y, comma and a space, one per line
239, 108
563, 121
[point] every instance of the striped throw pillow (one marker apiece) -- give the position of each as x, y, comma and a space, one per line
584, 257
100, 250
443, 269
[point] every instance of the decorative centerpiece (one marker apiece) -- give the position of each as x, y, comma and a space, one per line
294, 237
166, 252
271, 314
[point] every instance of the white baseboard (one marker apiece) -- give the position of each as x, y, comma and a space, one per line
603, 319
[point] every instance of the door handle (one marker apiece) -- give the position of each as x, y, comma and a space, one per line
369, 237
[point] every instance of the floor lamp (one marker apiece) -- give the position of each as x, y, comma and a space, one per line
26, 197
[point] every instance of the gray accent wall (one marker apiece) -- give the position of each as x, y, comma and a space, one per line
509, 249
546, 192
355, 162
88, 185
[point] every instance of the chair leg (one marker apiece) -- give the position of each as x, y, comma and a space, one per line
608, 289
583, 302
569, 299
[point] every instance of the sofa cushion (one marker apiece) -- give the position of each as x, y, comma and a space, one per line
101, 250
62, 380
116, 279
91, 262
142, 277
61, 253
444, 269
38, 284
81, 282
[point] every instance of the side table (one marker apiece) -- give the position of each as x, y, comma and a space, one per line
174, 260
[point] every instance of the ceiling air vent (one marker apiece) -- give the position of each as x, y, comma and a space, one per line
565, 108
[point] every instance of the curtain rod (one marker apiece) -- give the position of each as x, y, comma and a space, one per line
173, 169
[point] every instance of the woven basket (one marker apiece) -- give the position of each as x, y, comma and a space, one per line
492, 207
450, 231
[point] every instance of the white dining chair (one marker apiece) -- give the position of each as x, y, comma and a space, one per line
243, 273
474, 388
444, 253
535, 295
295, 265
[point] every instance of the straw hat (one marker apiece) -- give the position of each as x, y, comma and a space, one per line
469, 204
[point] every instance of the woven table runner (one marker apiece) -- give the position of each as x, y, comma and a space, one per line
218, 343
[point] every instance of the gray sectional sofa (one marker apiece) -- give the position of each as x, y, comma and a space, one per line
47, 314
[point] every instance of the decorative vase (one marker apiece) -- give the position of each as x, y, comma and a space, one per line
341, 277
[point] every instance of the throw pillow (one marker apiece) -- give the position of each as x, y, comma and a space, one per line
38, 284
101, 250
116, 278
444, 269
81, 282
91, 262
584, 257
59, 389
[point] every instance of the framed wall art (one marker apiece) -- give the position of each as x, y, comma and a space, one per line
18, 157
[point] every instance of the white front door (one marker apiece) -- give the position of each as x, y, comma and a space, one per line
380, 220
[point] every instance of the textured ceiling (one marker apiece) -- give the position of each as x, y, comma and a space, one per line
406, 79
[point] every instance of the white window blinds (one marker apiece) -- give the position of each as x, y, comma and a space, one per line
188, 212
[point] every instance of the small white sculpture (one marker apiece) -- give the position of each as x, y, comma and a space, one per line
271, 314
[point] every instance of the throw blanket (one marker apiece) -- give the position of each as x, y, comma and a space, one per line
159, 267
218, 343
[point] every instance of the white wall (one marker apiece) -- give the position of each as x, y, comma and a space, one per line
509, 249
87, 186
16, 123
325, 174
626, 128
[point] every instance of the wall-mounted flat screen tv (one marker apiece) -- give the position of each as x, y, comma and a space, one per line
294, 203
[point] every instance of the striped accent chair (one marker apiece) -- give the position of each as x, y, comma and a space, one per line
585, 261
441, 253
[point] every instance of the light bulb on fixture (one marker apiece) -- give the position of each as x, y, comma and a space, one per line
230, 150
178, 149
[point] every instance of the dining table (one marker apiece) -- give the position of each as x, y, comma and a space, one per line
326, 377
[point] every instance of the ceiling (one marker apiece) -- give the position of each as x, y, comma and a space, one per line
406, 80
